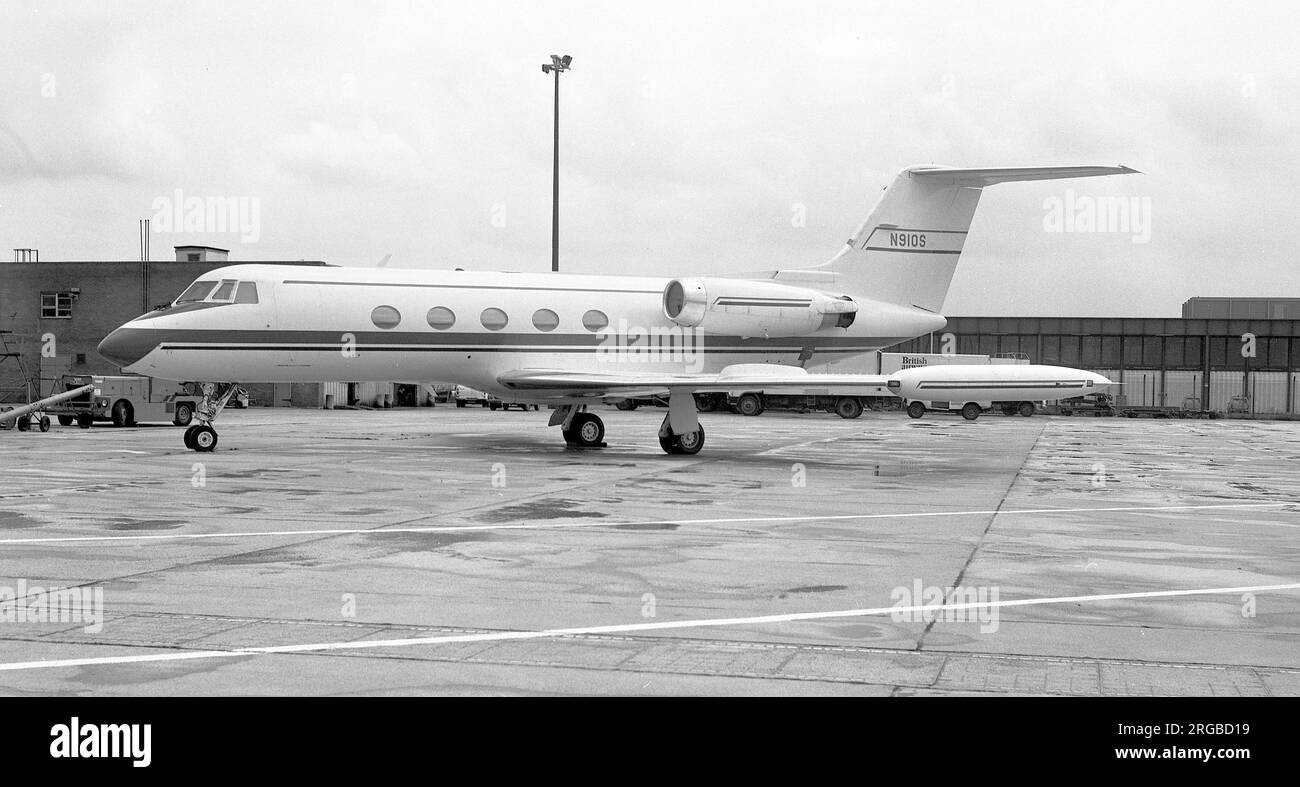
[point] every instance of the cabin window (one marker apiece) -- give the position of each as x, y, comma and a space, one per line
247, 292
594, 320
441, 318
385, 317
225, 291
196, 292
493, 319
545, 320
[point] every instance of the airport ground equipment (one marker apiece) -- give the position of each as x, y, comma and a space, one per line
125, 401
30, 415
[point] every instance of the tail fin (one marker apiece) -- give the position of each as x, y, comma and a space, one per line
907, 250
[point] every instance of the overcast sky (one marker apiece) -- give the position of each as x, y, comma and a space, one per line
697, 137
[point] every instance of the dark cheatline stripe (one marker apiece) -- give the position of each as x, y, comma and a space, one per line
468, 286
432, 338
912, 251
508, 349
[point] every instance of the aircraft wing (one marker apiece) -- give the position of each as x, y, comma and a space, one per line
771, 378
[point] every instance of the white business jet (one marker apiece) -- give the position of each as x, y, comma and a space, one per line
574, 340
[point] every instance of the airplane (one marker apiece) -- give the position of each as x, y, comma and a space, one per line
571, 340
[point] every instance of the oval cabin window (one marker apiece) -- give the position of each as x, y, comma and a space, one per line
441, 318
545, 320
594, 320
385, 317
494, 319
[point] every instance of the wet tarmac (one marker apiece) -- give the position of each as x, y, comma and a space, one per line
463, 551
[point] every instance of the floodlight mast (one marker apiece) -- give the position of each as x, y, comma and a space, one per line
556, 65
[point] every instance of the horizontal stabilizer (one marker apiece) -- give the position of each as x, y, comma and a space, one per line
959, 176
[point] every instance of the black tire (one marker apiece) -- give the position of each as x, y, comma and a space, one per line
204, 438
625, 404
970, 411
184, 414
44, 423
1009, 408
915, 409
122, 413
65, 420
669, 444
750, 404
706, 403
84, 420
189, 436
460, 402
588, 430
690, 444
1026, 409
494, 406
22, 424
848, 407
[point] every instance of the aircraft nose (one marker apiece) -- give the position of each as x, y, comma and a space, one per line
126, 346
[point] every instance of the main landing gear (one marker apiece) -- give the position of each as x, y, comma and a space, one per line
202, 437
680, 433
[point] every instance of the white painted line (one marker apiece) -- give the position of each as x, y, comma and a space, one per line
586, 523
503, 636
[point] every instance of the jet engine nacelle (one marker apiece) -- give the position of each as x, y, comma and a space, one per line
740, 307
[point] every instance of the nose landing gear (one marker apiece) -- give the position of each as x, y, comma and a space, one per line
202, 437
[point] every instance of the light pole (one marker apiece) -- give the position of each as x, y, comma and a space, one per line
556, 65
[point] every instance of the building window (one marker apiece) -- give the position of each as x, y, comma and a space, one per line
192, 257
594, 320
545, 320
385, 317
56, 305
493, 319
441, 318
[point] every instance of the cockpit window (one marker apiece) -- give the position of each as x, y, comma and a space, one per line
196, 292
247, 292
225, 292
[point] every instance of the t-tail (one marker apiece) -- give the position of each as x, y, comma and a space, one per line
907, 250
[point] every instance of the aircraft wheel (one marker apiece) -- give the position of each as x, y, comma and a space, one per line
189, 437
691, 442
669, 444
203, 439
970, 411
44, 423
915, 409
184, 414
65, 420
1026, 409
749, 404
588, 430
848, 407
